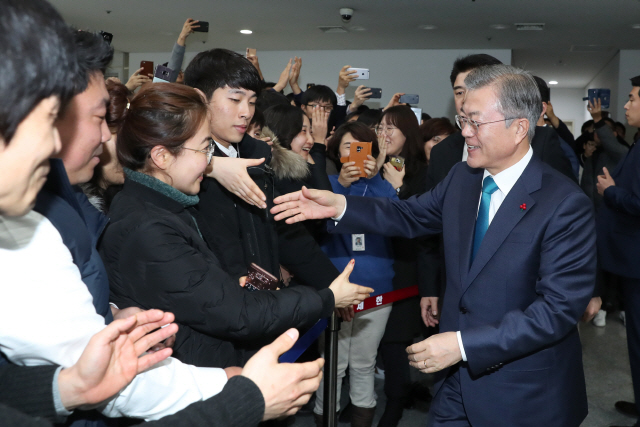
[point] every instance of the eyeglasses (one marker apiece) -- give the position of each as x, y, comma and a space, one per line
385, 130
326, 107
475, 125
208, 151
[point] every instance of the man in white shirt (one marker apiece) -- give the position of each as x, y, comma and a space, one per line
520, 256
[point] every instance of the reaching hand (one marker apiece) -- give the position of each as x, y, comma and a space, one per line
319, 124
284, 77
362, 94
344, 78
295, 75
285, 387
555, 121
187, 29
308, 204
136, 80
254, 60
348, 174
232, 174
595, 109
346, 293
604, 181
429, 311
112, 358
346, 314
395, 100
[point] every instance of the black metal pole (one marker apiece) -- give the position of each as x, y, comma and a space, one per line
331, 371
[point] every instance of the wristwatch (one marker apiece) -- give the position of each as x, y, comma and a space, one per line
398, 190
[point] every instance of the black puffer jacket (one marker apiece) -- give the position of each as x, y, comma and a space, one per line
156, 258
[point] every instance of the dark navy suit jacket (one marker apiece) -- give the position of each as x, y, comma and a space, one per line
619, 219
518, 304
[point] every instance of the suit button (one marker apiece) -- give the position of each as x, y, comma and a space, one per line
463, 310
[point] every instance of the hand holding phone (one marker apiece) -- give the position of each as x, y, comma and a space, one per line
203, 27
358, 153
147, 68
251, 52
360, 73
409, 99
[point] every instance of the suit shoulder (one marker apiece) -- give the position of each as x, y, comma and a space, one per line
251, 148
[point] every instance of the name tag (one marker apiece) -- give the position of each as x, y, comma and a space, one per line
357, 242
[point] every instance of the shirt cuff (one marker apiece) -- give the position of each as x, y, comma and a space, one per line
341, 99
57, 400
338, 218
464, 356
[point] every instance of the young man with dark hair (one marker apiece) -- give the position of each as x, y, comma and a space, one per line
244, 233
618, 227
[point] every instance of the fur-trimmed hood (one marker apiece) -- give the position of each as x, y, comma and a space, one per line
285, 163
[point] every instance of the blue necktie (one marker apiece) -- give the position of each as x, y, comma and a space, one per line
482, 222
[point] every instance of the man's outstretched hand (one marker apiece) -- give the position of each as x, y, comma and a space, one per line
286, 387
308, 204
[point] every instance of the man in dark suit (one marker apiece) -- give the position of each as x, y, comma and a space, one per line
519, 241
618, 226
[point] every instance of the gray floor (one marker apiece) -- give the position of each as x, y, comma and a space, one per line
607, 374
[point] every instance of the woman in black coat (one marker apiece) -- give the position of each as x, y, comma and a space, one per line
155, 249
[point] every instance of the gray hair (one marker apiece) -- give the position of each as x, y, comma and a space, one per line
517, 92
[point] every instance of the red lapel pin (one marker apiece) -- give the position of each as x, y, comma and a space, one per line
523, 206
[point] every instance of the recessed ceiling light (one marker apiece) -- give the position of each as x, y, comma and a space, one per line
246, 31
553, 82
427, 27
499, 26
636, 26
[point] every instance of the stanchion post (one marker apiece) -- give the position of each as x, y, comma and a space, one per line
331, 372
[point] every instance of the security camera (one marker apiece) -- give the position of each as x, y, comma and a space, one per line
346, 14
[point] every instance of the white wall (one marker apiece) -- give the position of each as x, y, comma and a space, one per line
423, 72
569, 106
116, 67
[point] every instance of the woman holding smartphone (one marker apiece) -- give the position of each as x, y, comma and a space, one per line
359, 338
155, 249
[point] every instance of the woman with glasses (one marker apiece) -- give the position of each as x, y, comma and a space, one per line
155, 248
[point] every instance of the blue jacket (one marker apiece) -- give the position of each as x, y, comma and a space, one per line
618, 221
80, 225
517, 305
374, 265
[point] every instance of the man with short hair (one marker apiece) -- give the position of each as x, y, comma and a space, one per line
244, 233
520, 255
618, 226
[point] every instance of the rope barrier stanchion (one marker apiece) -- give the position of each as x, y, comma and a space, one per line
330, 402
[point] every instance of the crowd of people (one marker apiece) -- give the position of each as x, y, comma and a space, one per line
136, 218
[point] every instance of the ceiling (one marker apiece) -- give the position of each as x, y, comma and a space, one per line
580, 36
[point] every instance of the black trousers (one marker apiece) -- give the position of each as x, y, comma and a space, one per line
631, 292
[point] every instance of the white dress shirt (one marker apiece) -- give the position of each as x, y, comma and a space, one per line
230, 152
47, 317
505, 181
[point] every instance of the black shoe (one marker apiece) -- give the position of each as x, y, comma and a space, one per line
627, 408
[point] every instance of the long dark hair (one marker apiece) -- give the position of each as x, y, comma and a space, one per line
359, 131
166, 114
285, 121
405, 120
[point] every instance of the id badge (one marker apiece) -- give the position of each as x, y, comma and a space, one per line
357, 242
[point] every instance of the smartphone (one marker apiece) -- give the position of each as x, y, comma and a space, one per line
147, 68
376, 93
409, 99
363, 73
259, 279
106, 36
358, 153
203, 27
603, 94
397, 162
418, 113
162, 74
251, 52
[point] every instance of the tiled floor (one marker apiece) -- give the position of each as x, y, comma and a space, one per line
607, 374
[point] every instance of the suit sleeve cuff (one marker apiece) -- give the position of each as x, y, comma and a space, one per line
464, 356
338, 218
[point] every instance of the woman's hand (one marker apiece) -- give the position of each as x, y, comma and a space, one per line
394, 176
395, 100
295, 74
319, 124
346, 293
372, 165
136, 80
362, 94
348, 174
232, 174
284, 77
187, 29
